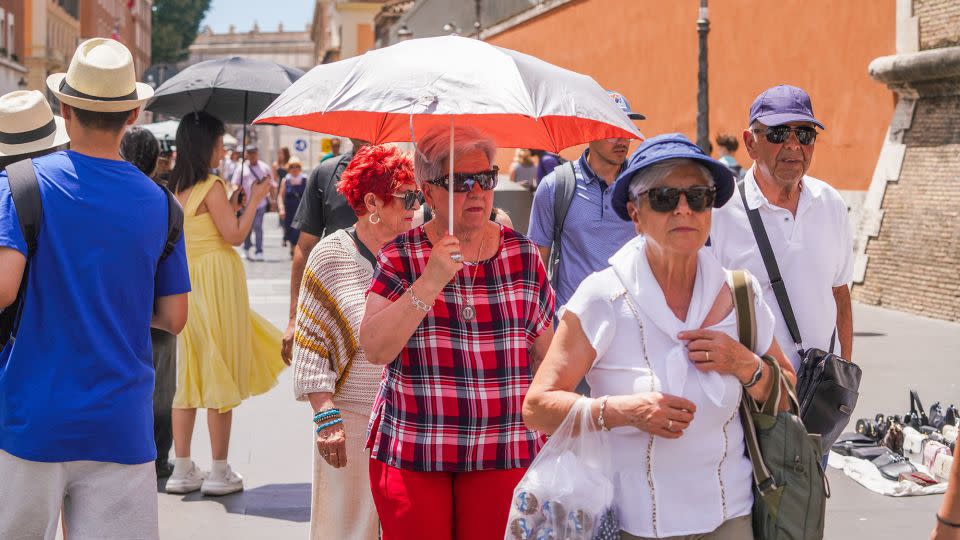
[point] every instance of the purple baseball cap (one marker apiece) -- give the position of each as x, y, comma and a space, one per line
782, 104
624, 106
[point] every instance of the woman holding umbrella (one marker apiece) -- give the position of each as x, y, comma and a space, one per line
470, 318
227, 352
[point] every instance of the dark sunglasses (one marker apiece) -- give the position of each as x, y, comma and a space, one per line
666, 199
780, 134
411, 199
464, 182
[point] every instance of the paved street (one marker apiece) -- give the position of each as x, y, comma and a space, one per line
272, 434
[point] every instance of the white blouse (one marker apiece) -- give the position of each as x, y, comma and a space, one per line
668, 487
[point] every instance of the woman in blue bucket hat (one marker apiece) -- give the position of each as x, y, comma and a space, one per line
655, 334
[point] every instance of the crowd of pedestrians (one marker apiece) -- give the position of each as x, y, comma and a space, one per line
435, 364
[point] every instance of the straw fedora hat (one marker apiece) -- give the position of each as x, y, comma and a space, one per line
100, 78
294, 160
27, 125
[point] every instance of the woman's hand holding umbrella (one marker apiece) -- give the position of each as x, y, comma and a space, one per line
444, 263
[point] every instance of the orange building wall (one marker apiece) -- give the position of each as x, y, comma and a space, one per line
365, 38
647, 50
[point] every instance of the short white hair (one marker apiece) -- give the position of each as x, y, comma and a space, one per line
653, 176
434, 149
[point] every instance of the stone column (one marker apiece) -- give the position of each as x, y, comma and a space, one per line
908, 247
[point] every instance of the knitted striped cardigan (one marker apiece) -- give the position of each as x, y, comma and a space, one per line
326, 353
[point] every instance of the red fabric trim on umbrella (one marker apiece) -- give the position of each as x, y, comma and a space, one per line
553, 133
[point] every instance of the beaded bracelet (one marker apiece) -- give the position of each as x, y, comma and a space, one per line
321, 427
323, 415
603, 407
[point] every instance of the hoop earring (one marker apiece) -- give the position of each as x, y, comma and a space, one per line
371, 216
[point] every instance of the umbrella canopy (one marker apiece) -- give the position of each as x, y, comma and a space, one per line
165, 132
234, 90
396, 93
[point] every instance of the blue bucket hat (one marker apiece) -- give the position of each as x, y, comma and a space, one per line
662, 148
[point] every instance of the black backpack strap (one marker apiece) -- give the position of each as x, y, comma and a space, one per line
773, 270
564, 188
25, 191
174, 223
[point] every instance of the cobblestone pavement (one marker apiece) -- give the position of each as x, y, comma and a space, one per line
272, 435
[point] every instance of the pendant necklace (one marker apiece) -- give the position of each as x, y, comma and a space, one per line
468, 312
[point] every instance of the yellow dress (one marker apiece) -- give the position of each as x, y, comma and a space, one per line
227, 352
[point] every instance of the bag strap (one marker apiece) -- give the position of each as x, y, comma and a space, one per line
362, 248
25, 191
566, 186
174, 223
746, 328
773, 270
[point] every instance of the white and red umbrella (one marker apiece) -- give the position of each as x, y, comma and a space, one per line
397, 93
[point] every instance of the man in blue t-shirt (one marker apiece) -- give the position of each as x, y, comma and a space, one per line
76, 383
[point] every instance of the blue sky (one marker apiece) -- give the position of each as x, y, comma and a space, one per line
294, 14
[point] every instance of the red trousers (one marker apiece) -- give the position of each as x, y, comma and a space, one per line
442, 506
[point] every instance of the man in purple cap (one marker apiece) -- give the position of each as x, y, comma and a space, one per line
577, 234
805, 221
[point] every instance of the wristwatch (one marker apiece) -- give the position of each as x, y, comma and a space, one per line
756, 375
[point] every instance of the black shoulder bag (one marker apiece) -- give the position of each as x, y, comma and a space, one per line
827, 385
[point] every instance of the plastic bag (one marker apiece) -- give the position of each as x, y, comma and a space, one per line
567, 493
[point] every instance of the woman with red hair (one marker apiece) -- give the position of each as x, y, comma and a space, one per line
330, 369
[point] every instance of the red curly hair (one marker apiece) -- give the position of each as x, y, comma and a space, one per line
380, 170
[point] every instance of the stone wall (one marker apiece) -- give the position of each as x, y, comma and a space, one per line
939, 23
912, 255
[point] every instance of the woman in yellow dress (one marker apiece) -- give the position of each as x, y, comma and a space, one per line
227, 352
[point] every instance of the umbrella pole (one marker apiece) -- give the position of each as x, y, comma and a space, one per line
450, 182
243, 141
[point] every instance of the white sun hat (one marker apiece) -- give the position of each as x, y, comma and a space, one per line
100, 78
27, 124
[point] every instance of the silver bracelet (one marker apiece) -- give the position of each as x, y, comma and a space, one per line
418, 303
603, 407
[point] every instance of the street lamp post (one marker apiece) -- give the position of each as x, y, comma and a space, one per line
703, 94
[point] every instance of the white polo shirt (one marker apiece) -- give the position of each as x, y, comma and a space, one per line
814, 251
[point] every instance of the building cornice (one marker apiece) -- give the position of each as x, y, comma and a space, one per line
524, 17
929, 65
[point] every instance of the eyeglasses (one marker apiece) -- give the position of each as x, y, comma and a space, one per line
411, 199
780, 134
666, 199
464, 182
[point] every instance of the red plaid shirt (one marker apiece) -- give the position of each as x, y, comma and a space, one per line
452, 400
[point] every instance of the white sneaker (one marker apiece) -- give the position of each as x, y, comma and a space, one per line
258, 257
229, 482
248, 254
186, 482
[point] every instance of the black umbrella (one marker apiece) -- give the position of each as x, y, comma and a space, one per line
235, 90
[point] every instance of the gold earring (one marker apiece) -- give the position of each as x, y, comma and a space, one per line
374, 215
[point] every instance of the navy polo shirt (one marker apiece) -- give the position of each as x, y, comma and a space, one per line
592, 231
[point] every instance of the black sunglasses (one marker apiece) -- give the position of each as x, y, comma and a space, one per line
780, 134
464, 182
411, 199
666, 199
